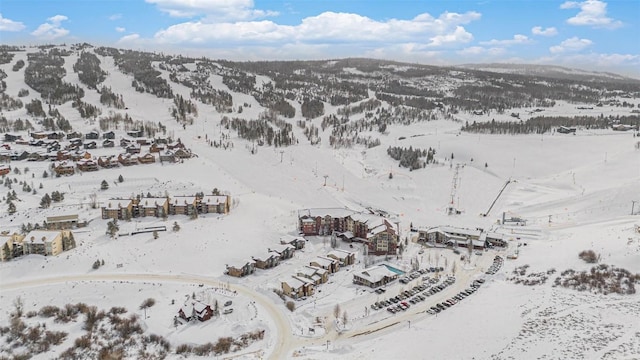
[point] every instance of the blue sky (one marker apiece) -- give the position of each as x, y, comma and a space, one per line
590, 34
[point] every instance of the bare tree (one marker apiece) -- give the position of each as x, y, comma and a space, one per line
18, 305
345, 318
336, 311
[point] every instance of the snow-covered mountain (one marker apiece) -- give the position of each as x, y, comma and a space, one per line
358, 136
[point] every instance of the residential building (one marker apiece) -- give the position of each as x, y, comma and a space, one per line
296, 287
346, 258
195, 310
152, 206
267, 260
241, 269
183, 205
219, 204
316, 274
284, 252
62, 222
120, 209
329, 264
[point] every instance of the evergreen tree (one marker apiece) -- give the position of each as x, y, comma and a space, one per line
12, 208
112, 228
104, 185
120, 179
7, 251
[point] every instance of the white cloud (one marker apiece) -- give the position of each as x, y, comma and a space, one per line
129, 39
51, 29
328, 28
517, 39
115, 17
479, 50
573, 44
10, 25
120, 29
538, 30
592, 13
227, 10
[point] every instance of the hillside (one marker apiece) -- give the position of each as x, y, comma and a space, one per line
282, 138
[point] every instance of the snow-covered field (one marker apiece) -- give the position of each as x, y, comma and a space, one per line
575, 191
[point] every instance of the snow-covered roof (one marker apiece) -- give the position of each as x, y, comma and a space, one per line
333, 212
41, 236
294, 282
183, 200
376, 273
152, 202
264, 256
341, 254
214, 199
114, 204
323, 261
280, 248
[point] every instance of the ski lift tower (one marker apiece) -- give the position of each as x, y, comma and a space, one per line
451, 209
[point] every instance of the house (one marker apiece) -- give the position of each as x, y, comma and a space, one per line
142, 141
19, 155
40, 135
90, 145
108, 143
9, 137
108, 162
296, 287
329, 264
53, 146
135, 133
175, 145
80, 155
120, 209
246, 268
345, 257
147, 158
195, 310
156, 148
4, 169
566, 130
62, 222
75, 142
495, 239
167, 156
183, 153
64, 168
375, 276
297, 242
284, 251
316, 274
622, 127
127, 160
218, 204
132, 148
92, 135
124, 142
110, 135
87, 165
267, 260
152, 206
56, 135
74, 135
37, 156
183, 205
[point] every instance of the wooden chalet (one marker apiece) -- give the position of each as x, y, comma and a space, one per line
316, 274
297, 287
183, 153
64, 168
284, 252
167, 156
132, 148
109, 135
108, 162
87, 165
195, 310
8, 137
345, 257
241, 269
74, 135
267, 260
329, 264
92, 135
127, 159
147, 158
108, 143
90, 145
4, 170
156, 148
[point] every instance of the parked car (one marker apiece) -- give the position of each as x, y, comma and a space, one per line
228, 311
228, 303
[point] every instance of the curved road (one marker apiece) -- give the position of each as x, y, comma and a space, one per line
285, 341
283, 328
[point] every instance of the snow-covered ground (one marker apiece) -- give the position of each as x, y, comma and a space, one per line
575, 191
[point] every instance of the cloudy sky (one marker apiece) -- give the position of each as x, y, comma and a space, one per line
591, 34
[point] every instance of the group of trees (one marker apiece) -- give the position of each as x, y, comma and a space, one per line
55, 196
411, 158
7, 103
544, 124
266, 130
44, 74
182, 109
312, 108
146, 78
86, 110
88, 68
109, 98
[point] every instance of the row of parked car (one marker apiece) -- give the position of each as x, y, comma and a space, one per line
416, 294
455, 299
497, 264
416, 274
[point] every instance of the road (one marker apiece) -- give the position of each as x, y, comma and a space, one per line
283, 328
285, 340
